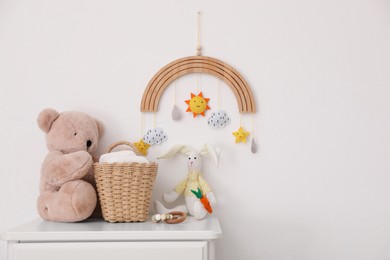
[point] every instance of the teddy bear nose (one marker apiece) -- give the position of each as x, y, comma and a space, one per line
89, 143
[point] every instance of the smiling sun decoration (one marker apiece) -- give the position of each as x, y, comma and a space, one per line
197, 104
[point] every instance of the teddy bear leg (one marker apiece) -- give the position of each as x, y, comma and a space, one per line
75, 201
195, 207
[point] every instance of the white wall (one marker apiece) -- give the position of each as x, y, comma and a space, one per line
320, 71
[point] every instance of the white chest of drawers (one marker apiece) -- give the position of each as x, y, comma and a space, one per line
98, 240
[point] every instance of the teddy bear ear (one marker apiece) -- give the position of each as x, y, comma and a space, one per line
100, 127
46, 119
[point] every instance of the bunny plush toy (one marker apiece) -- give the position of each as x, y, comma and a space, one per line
199, 197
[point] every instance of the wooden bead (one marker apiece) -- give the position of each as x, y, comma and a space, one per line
156, 218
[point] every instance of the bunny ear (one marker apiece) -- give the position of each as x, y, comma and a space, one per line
204, 150
212, 151
174, 150
185, 150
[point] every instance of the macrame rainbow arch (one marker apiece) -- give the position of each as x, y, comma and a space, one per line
197, 64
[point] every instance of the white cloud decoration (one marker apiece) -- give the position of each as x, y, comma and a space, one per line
218, 119
155, 136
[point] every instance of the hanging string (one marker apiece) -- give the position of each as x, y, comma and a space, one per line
176, 114
219, 94
175, 92
198, 82
198, 48
253, 125
142, 124
198, 51
154, 119
241, 120
176, 84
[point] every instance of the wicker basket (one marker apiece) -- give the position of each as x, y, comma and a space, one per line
125, 189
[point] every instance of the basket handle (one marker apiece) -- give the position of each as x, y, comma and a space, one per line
113, 145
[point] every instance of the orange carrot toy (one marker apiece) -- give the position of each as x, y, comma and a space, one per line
204, 200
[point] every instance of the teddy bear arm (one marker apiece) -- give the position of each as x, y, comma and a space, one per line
58, 169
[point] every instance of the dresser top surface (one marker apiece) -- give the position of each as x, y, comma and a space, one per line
99, 230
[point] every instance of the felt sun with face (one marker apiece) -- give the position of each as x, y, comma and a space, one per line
197, 104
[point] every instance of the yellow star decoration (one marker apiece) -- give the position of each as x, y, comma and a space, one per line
240, 135
142, 147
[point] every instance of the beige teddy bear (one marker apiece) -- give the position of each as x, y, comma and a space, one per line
66, 192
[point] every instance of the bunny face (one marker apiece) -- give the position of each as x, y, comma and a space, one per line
194, 162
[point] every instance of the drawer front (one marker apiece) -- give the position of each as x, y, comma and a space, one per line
110, 251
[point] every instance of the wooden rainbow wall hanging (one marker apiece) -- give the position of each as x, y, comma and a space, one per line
200, 64
197, 64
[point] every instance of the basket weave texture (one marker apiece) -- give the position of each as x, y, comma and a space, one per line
125, 189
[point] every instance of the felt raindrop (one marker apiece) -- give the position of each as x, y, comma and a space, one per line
176, 114
253, 146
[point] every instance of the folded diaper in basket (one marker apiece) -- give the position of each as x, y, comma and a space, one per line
126, 156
